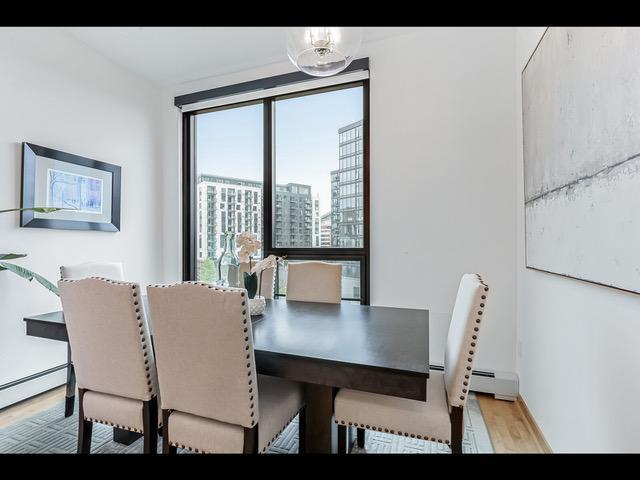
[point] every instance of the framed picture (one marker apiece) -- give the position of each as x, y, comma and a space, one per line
87, 190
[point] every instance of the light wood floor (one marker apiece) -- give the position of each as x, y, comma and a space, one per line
509, 423
511, 427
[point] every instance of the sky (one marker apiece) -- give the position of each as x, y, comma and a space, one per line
229, 142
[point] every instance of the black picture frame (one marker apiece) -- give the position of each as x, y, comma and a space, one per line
27, 218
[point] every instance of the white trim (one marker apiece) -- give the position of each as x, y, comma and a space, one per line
276, 91
503, 385
33, 387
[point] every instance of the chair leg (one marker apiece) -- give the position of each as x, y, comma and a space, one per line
150, 426
70, 386
457, 429
251, 439
85, 427
342, 439
302, 430
361, 434
167, 448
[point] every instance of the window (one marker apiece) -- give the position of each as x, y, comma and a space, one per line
276, 167
228, 160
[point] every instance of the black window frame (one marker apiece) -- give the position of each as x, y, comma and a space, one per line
189, 189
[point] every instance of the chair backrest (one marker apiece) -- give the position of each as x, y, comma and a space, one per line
462, 339
267, 277
314, 282
109, 337
204, 351
110, 270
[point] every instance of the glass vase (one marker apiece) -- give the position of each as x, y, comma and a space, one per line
229, 264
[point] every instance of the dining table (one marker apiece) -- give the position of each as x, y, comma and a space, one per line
377, 349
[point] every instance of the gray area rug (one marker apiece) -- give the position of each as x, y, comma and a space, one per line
50, 432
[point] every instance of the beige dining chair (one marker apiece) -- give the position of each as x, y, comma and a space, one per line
213, 401
113, 358
111, 270
314, 282
267, 277
440, 418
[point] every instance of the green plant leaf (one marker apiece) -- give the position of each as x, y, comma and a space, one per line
29, 275
35, 209
11, 256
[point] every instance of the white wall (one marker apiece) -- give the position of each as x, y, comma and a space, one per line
58, 93
577, 342
442, 143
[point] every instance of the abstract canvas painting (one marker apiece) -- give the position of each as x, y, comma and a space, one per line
581, 132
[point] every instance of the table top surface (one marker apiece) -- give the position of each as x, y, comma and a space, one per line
379, 337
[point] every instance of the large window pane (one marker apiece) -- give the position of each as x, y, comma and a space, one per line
350, 278
318, 170
228, 154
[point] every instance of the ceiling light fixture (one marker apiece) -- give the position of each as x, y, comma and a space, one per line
323, 51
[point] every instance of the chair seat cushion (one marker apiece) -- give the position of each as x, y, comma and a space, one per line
113, 410
279, 401
204, 435
427, 420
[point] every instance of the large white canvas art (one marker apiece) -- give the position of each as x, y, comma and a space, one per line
581, 127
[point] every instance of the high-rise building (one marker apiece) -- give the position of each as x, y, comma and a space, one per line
296, 222
226, 203
347, 220
325, 230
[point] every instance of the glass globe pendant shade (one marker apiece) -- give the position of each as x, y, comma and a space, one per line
323, 51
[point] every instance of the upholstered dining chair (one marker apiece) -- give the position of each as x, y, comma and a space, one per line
314, 282
110, 270
268, 278
440, 418
113, 358
213, 401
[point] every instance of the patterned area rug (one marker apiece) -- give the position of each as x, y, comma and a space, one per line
50, 432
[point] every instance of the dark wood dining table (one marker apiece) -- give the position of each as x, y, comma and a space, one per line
376, 349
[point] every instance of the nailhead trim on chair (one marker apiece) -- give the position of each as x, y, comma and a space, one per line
105, 422
472, 342
465, 383
135, 292
184, 447
393, 432
242, 291
264, 449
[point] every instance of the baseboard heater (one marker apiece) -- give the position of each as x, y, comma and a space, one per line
32, 377
502, 385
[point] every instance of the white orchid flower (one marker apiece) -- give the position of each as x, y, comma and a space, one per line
270, 262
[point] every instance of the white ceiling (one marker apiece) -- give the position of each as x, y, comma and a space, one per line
170, 55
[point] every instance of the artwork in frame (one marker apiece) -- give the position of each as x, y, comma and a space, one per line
581, 133
87, 190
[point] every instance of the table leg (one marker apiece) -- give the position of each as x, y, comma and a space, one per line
70, 395
125, 437
321, 430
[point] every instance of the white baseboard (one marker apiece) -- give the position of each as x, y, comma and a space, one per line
502, 385
33, 387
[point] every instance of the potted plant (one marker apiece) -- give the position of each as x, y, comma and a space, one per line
21, 271
249, 245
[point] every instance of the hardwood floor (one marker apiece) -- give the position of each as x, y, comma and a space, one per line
511, 427
30, 407
509, 423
